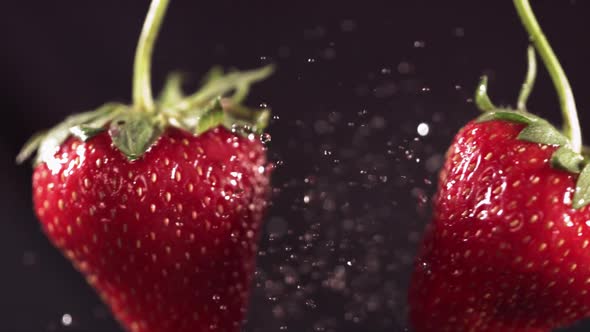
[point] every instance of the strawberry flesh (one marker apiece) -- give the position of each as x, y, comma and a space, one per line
169, 240
505, 251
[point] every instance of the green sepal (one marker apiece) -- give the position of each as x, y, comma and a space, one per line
218, 85
537, 130
262, 118
210, 117
197, 120
508, 115
30, 147
47, 143
84, 132
213, 74
582, 194
543, 132
566, 159
172, 91
211, 106
244, 120
133, 133
94, 127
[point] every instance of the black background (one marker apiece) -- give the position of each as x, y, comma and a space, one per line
354, 80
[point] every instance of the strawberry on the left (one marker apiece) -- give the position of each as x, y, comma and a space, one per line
159, 203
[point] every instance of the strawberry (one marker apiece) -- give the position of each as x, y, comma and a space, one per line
508, 248
169, 240
159, 204
506, 251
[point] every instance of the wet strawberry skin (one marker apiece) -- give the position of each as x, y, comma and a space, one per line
168, 240
505, 251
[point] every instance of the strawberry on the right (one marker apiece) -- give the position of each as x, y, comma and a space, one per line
508, 248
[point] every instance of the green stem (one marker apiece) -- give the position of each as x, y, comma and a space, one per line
142, 87
562, 86
482, 100
529, 81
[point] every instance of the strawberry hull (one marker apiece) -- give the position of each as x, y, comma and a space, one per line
505, 251
169, 240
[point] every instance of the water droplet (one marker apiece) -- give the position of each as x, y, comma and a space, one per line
404, 67
423, 129
241, 129
419, 44
329, 53
265, 138
347, 25
310, 179
66, 319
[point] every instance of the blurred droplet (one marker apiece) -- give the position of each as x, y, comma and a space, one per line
404, 67
419, 44
29, 258
66, 320
459, 32
265, 138
347, 25
423, 129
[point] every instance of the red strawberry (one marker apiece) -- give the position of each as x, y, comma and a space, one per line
159, 204
169, 240
509, 244
506, 251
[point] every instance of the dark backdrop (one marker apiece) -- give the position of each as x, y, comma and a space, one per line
354, 80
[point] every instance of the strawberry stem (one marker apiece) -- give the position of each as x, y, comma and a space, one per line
482, 100
560, 81
529, 81
142, 89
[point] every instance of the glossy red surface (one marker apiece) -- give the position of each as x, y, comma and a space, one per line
169, 240
505, 250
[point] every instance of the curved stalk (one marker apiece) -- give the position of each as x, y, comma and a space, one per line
560, 81
529, 81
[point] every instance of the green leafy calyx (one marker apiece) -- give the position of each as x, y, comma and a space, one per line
133, 131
